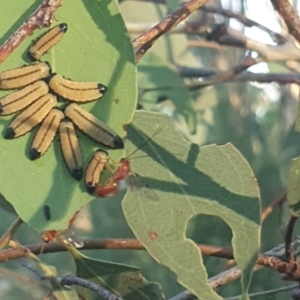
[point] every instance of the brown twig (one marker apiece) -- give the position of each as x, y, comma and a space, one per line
267, 259
41, 17
278, 38
276, 202
281, 78
289, 15
185, 27
10, 232
290, 269
145, 41
226, 75
116, 244
225, 35
263, 260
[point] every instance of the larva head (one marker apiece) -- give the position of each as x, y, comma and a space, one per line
48, 67
9, 133
90, 187
34, 154
48, 79
102, 88
77, 173
118, 143
63, 27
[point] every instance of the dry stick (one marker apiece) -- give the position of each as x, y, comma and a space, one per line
271, 259
247, 76
186, 27
41, 17
145, 41
227, 75
281, 78
288, 238
281, 52
99, 290
10, 232
264, 293
276, 202
278, 38
116, 244
289, 15
274, 262
267, 259
189, 296
73, 280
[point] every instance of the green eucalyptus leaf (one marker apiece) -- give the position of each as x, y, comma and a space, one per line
189, 180
95, 48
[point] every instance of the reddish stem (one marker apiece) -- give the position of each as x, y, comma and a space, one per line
40, 18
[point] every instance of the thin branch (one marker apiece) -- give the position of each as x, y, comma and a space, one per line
278, 38
295, 294
268, 259
224, 35
276, 202
265, 293
41, 17
186, 28
145, 41
116, 244
288, 238
73, 280
274, 261
10, 232
226, 75
289, 15
280, 78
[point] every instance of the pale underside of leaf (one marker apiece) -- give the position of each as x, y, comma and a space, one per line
188, 181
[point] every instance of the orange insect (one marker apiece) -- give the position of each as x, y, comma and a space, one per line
111, 186
51, 235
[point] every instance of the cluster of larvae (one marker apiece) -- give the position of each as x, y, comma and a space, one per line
36, 98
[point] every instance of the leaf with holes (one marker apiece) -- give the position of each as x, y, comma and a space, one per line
190, 180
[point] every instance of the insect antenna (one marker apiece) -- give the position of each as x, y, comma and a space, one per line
147, 140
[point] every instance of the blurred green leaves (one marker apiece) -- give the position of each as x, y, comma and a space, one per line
158, 80
121, 280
